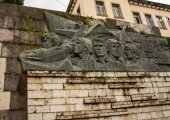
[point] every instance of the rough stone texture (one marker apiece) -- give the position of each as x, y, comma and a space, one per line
17, 100
88, 95
5, 100
13, 115
2, 72
13, 40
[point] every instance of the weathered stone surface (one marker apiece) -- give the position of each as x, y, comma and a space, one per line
0, 49
5, 101
8, 9
10, 50
130, 52
81, 101
6, 22
35, 116
6, 35
40, 26
27, 11
99, 100
13, 115
27, 38
39, 94
2, 73
11, 82
18, 101
16, 66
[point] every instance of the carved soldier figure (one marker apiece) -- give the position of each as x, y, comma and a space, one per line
132, 52
103, 62
114, 50
82, 58
47, 57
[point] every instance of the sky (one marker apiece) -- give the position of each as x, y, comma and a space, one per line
61, 5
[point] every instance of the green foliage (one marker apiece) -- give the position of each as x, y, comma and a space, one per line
168, 39
18, 2
88, 21
27, 24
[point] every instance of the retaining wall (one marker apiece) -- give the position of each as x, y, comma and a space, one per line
98, 96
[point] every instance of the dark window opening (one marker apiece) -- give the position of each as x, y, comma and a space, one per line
137, 18
100, 8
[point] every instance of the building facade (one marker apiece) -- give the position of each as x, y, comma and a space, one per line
133, 11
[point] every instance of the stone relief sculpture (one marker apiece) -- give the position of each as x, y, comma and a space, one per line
76, 48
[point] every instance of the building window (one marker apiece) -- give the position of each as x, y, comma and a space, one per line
100, 8
168, 19
137, 18
149, 20
78, 11
160, 22
116, 10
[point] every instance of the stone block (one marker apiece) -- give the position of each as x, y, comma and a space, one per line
27, 38
101, 86
52, 86
5, 100
56, 81
42, 109
39, 94
72, 86
144, 116
166, 113
37, 80
2, 73
36, 102
35, 116
74, 100
13, 115
59, 108
119, 86
14, 66
37, 14
57, 101
0, 49
157, 115
98, 100
105, 106
40, 26
60, 93
6, 35
121, 74
34, 87
49, 116
78, 93
11, 82
82, 107
8, 9
11, 50
97, 93
18, 101
31, 109
7, 22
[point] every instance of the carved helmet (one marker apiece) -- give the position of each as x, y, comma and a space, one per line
87, 42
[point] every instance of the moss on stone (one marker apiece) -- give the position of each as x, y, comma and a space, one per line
27, 24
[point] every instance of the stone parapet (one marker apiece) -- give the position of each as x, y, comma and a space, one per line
98, 95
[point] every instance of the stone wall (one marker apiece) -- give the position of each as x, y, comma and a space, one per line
13, 40
98, 96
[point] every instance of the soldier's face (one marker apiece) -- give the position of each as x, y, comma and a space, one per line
46, 42
114, 48
79, 48
100, 48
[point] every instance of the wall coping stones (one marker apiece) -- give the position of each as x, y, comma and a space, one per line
97, 74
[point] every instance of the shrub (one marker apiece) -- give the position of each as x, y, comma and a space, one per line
18, 2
